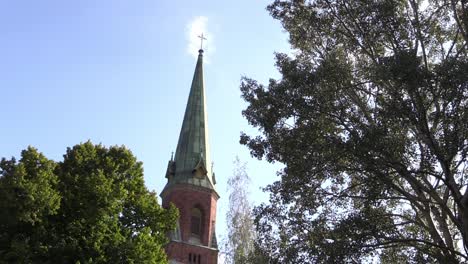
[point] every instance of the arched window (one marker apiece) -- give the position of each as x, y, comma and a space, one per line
196, 222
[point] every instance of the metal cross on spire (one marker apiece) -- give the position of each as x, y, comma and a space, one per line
201, 40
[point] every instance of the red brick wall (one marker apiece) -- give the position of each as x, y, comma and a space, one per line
186, 197
180, 252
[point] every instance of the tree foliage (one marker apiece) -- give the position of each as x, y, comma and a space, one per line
370, 119
92, 207
241, 233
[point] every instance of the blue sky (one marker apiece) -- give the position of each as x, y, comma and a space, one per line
119, 72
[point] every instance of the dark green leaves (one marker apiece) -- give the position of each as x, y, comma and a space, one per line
92, 207
370, 120
28, 197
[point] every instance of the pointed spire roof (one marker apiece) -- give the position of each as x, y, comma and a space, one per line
192, 161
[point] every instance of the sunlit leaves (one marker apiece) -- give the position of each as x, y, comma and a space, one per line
91, 207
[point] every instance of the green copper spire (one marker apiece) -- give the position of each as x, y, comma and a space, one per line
192, 162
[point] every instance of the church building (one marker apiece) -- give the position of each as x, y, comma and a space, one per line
191, 184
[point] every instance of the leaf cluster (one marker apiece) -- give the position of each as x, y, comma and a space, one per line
370, 120
92, 207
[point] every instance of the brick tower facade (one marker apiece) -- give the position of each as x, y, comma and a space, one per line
191, 184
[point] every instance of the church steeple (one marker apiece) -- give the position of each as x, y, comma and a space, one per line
190, 183
192, 161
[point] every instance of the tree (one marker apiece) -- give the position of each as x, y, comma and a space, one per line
241, 233
92, 207
28, 196
370, 120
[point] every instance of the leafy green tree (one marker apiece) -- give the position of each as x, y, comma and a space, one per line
28, 196
92, 207
370, 119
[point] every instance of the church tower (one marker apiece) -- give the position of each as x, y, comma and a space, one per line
191, 184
